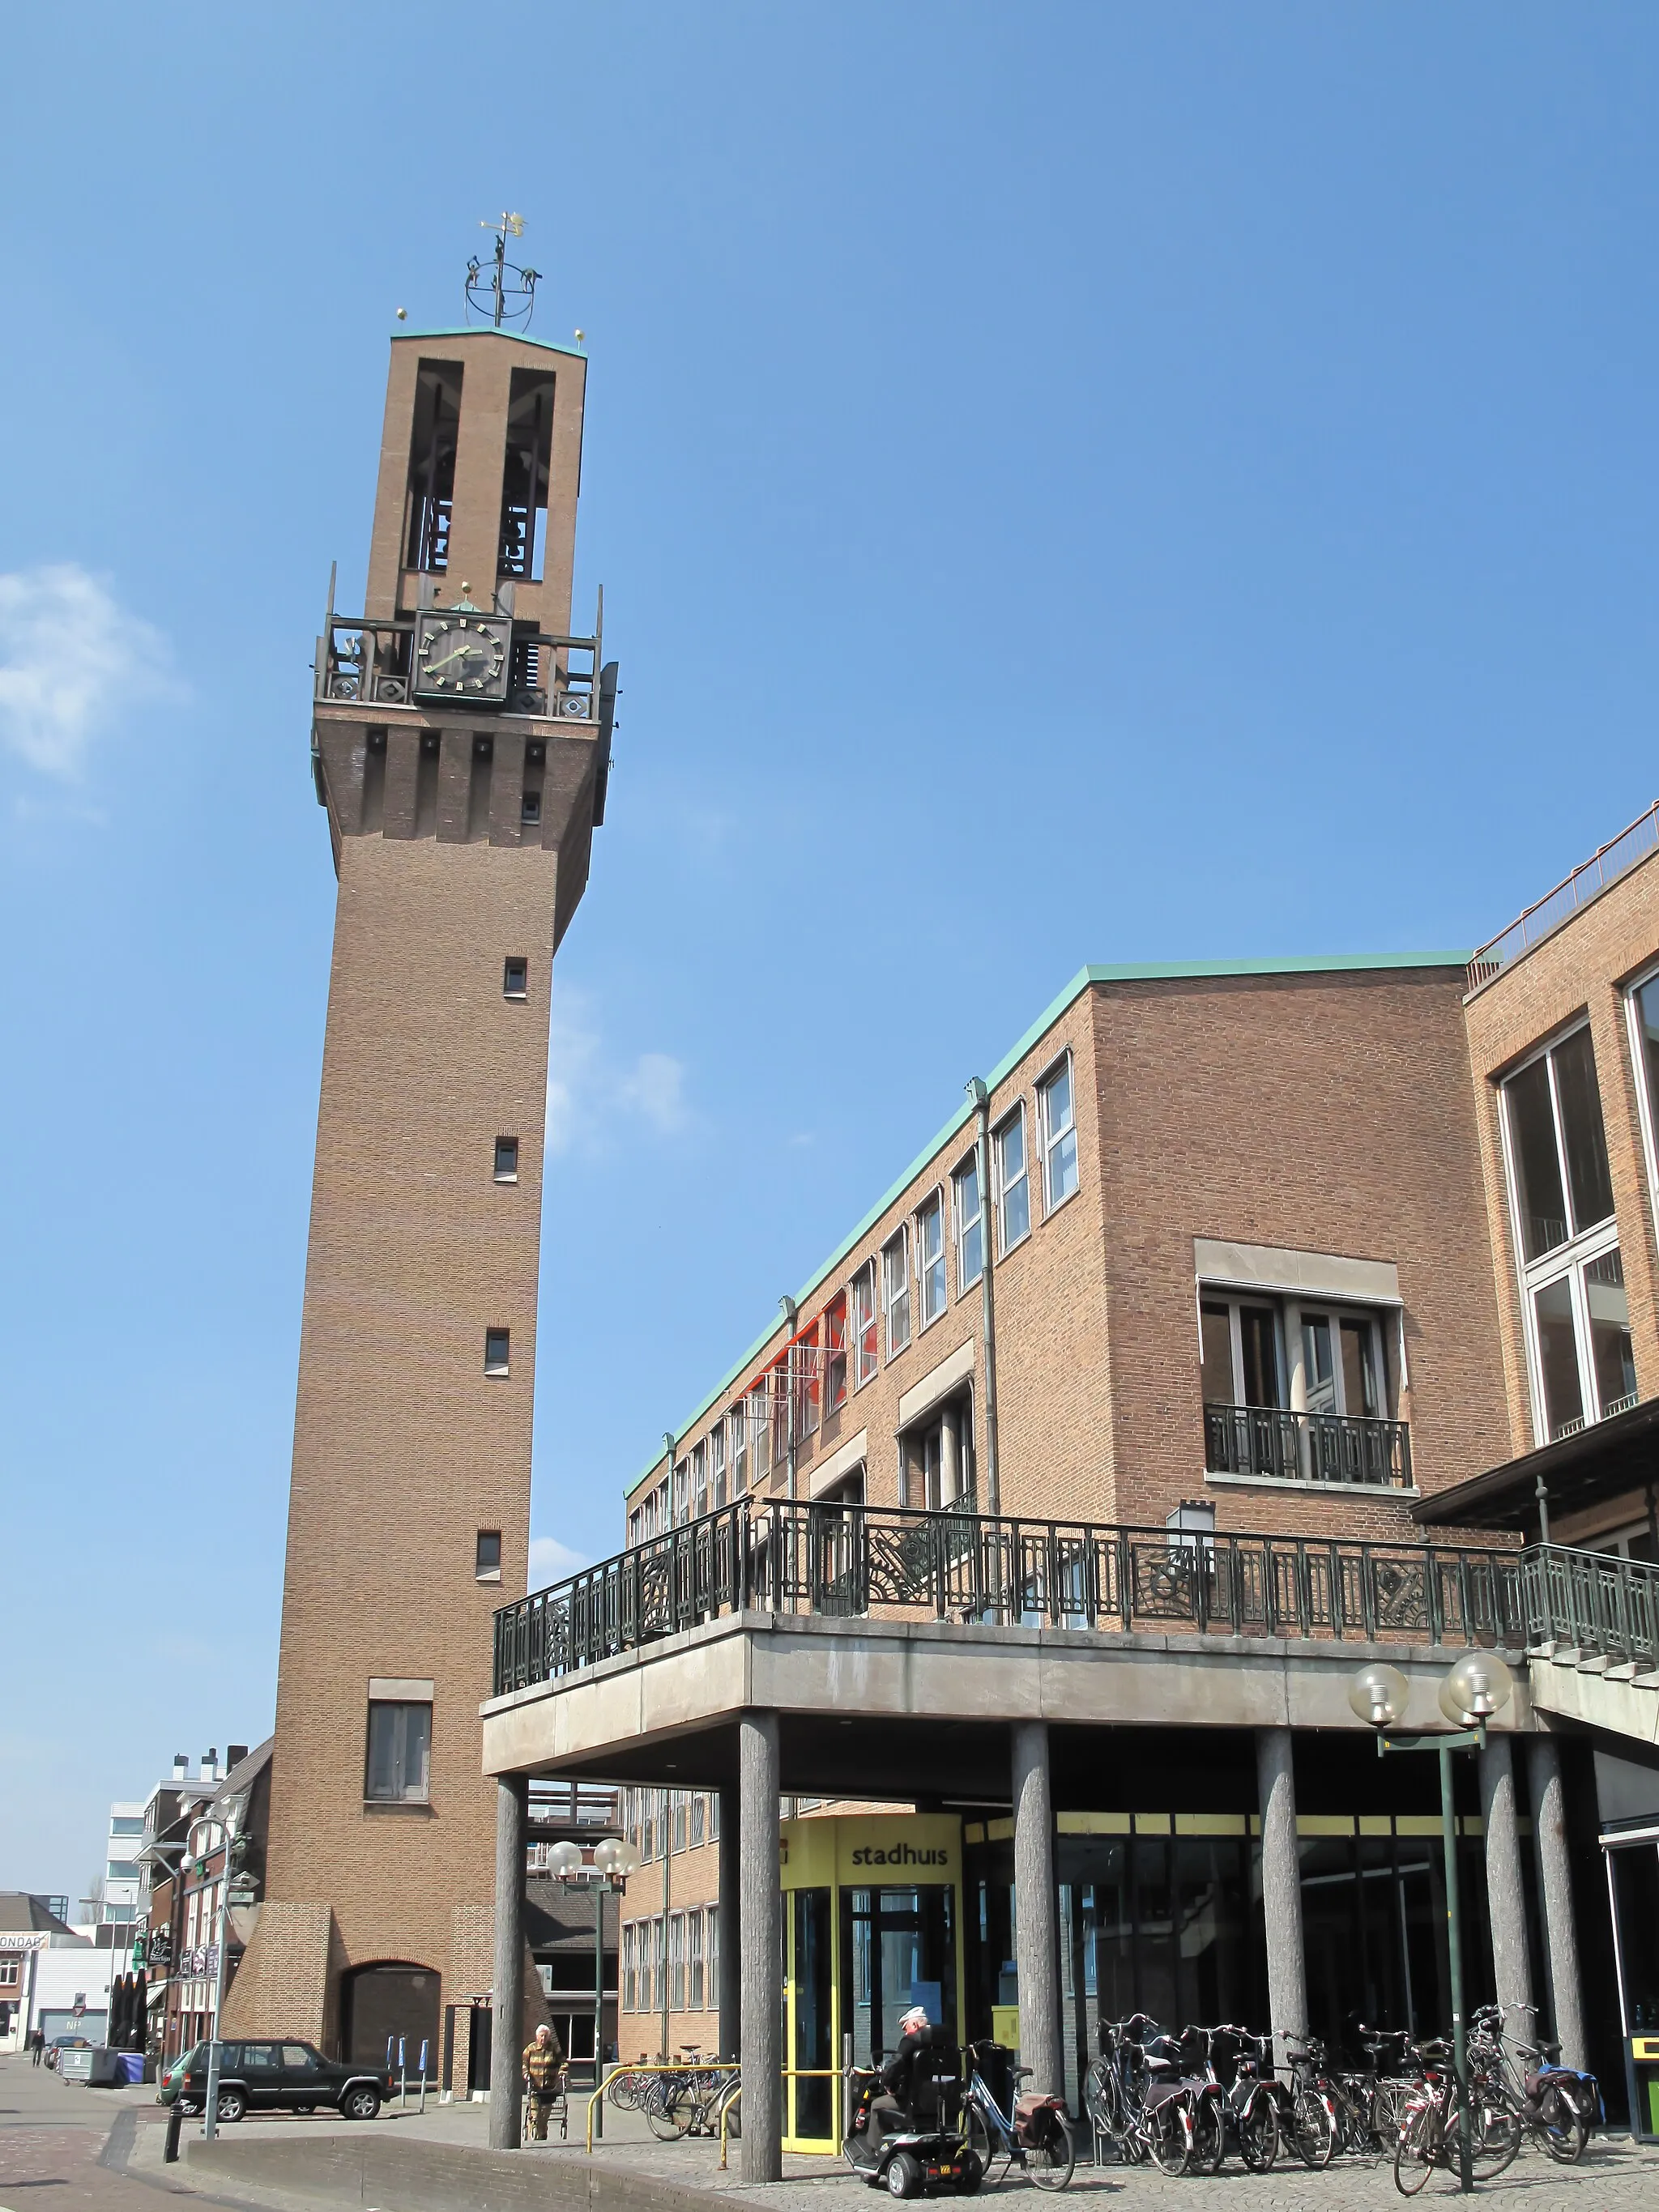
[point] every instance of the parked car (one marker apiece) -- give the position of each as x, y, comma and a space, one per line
65, 2043
284, 2076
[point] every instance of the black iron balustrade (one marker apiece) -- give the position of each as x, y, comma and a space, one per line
371, 663
847, 1562
1270, 1440
1593, 1602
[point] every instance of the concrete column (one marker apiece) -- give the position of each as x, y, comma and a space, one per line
1549, 1828
1037, 1941
1281, 1889
730, 1993
950, 1457
762, 1947
507, 2016
1505, 1897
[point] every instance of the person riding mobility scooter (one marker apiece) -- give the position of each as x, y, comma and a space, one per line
904, 2127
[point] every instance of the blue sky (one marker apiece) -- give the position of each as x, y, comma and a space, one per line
1071, 482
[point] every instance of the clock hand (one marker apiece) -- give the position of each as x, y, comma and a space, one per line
455, 652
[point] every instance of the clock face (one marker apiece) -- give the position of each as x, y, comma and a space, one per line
461, 657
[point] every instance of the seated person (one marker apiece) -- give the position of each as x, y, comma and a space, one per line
888, 2109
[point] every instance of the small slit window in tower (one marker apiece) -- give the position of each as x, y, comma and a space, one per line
432, 466
498, 1346
530, 807
515, 977
525, 477
506, 1159
487, 1568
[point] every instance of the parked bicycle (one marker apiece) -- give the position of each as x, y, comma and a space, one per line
1432, 2125
1136, 2096
1551, 2101
1031, 2132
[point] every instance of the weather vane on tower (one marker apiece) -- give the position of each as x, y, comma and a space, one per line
489, 291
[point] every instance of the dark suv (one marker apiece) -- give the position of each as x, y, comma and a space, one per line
275, 2077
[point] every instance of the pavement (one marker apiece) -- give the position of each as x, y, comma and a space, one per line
64, 2148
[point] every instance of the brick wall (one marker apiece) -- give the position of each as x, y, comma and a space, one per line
1581, 971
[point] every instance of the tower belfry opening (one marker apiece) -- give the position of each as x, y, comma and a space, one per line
461, 740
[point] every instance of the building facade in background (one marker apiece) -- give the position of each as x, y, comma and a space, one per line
460, 744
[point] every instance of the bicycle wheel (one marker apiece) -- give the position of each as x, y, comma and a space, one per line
672, 2109
1418, 2149
1495, 2138
622, 2089
1169, 2137
1209, 2134
1312, 2128
1258, 2134
978, 2132
1563, 2125
1052, 2157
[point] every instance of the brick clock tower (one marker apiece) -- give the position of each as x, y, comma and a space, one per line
461, 740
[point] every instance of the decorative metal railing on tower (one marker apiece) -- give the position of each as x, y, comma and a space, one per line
850, 1562
1546, 915
363, 663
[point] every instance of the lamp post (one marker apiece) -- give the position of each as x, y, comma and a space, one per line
1478, 1686
201, 1853
614, 1859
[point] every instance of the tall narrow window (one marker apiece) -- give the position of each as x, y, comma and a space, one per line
630, 1977
1059, 1136
1013, 1185
498, 1348
1572, 1283
515, 976
865, 1344
682, 1494
525, 476
506, 1159
714, 1938
677, 1962
487, 1557
930, 1258
431, 444
739, 1418
694, 1945
969, 1215
699, 1482
717, 1465
399, 1752
834, 1354
896, 1291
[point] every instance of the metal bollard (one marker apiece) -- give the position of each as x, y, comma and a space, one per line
175, 2121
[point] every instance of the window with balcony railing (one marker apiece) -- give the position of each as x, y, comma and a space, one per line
1298, 1391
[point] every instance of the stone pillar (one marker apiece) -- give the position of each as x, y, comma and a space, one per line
507, 2016
762, 1947
1549, 1828
1036, 1944
1281, 1890
950, 1457
729, 1995
1507, 1904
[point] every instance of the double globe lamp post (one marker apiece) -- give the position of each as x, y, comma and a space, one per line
614, 1859
1477, 1688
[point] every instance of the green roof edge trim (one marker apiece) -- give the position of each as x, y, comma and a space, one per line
488, 330
1157, 971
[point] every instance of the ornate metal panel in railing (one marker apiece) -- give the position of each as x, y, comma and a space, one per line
1593, 1601
845, 1562
1269, 1440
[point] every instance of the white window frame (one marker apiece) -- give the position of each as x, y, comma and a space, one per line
677, 1962
863, 1313
1014, 1117
1646, 1107
697, 1999
699, 1457
738, 1421
831, 1354
712, 1953
630, 1989
962, 1224
1566, 1261
933, 1208
896, 1289
1051, 1139
717, 1467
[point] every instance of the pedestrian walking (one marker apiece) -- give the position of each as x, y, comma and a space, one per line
543, 2063
37, 2046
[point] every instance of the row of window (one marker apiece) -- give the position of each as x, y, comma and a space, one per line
1580, 1362
685, 1970
897, 1293
674, 1820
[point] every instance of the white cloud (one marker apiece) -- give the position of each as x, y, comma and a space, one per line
591, 1094
551, 1561
70, 658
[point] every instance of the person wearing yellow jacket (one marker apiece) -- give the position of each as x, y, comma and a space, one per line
543, 2063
